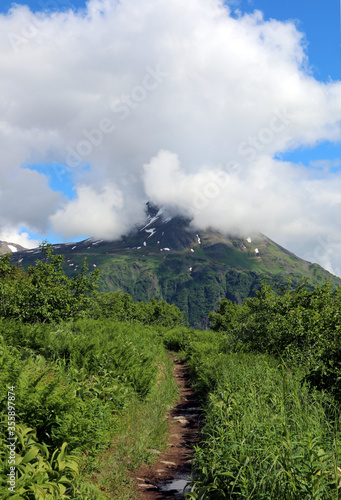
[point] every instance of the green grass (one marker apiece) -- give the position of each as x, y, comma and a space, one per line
142, 428
101, 386
266, 435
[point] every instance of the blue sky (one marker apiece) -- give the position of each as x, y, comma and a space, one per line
38, 5
320, 21
106, 107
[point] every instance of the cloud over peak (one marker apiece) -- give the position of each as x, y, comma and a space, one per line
177, 102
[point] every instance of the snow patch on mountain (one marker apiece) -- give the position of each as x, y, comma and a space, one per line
152, 219
151, 231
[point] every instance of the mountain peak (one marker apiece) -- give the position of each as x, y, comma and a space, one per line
167, 258
6, 247
152, 210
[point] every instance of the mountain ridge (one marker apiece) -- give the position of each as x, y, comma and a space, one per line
8, 247
167, 259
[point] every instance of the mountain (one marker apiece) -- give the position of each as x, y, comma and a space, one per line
6, 247
167, 259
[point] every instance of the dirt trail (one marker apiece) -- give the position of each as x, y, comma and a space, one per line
167, 477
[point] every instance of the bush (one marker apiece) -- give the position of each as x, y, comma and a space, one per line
44, 292
121, 307
301, 327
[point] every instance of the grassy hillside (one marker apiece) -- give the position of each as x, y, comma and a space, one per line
167, 259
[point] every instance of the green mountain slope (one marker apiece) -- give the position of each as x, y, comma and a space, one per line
167, 259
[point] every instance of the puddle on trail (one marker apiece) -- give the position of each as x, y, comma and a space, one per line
177, 484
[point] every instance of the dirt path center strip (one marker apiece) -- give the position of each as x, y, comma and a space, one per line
168, 476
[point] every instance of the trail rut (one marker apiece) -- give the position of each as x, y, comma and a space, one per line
168, 476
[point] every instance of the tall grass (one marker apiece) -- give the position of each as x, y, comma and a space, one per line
142, 429
96, 385
265, 433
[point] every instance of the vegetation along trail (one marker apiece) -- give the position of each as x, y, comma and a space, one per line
90, 381
171, 472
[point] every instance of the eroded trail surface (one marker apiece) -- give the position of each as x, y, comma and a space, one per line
168, 476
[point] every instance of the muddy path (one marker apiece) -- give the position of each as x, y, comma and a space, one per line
168, 476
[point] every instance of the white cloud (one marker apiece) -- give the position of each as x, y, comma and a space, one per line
16, 235
160, 98
26, 199
99, 212
279, 199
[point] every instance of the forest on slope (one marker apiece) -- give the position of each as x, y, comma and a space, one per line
167, 259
